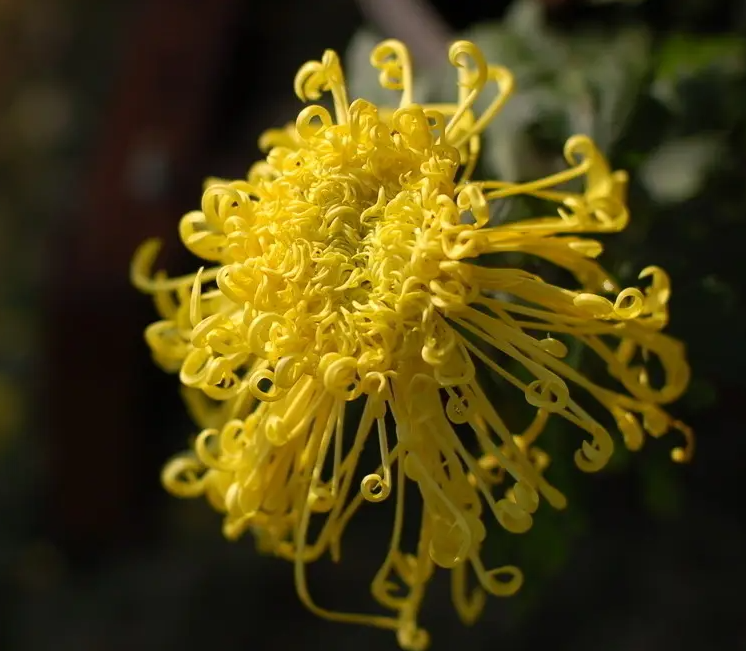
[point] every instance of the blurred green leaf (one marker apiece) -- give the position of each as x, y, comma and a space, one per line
677, 170
684, 56
614, 66
661, 490
585, 82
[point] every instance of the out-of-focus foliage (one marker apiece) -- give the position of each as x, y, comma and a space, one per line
36, 114
38, 129
585, 82
43, 118
33, 115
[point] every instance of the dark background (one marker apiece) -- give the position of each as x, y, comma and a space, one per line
112, 113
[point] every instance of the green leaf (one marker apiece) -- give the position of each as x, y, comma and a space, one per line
677, 170
613, 67
587, 82
509, 150
684, 56
688, 55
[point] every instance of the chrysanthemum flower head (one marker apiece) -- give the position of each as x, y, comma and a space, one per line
346, 268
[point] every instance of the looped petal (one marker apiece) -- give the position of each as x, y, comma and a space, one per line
343, 269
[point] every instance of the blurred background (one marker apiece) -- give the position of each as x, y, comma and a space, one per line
112, 113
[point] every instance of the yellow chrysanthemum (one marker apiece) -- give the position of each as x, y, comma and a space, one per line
345, 268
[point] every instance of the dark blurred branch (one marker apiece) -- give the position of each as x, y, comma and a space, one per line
149, 148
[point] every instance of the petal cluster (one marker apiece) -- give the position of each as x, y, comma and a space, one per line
347, 274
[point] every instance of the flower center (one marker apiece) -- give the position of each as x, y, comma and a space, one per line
336, 246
